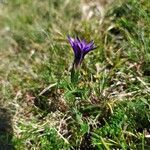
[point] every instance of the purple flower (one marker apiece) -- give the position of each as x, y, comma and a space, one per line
80, 48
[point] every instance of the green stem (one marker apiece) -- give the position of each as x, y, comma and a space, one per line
74, 75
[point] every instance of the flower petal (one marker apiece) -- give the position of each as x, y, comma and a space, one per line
89, 47
71, 41
80, 48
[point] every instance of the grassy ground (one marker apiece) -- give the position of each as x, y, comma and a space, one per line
41, 109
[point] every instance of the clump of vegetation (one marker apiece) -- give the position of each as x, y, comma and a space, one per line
105, 105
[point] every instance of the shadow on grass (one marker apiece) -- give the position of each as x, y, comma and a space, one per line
50, 100
6, 130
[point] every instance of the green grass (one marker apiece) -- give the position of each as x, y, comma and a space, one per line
109, 108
